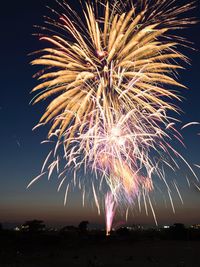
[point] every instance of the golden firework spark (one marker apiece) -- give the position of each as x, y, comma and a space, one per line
110, 76
122, 59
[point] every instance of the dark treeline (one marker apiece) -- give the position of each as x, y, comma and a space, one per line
175, 232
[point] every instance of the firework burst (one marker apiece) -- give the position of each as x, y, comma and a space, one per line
109, 76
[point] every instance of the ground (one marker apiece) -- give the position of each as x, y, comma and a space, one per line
63, 251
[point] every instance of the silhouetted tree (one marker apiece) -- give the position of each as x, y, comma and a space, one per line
33, 226
123, 231
179, 226
178, 231
83, 226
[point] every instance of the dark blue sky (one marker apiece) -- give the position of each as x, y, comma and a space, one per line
21, 152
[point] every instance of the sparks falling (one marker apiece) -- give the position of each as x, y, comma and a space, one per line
110, 207
109, 74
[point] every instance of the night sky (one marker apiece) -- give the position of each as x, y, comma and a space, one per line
22, 154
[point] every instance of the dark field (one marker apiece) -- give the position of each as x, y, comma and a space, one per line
55, 249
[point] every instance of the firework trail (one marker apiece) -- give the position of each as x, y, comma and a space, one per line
109, 75
110, 208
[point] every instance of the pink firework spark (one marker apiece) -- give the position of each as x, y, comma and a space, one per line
110, 208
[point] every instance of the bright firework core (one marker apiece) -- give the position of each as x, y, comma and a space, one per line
117, 137
111, 75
